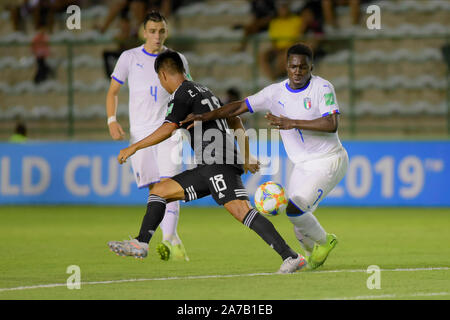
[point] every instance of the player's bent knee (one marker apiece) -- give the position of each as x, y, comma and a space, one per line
168, 189
297, 205
238, 208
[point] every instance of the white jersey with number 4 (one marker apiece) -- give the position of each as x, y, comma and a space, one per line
147, 111
316, 100
147, 98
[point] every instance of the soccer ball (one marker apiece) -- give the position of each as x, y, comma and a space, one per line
270, 198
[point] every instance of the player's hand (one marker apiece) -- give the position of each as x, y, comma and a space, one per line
115, 130
124, 154
280, 122
191, 118
252, 164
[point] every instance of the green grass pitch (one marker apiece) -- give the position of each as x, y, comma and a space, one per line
228, 260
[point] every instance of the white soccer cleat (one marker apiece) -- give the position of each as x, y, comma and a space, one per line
132, 248
291, 265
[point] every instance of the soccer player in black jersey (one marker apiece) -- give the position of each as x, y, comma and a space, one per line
218, 172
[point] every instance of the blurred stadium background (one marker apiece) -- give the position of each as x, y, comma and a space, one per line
392, 85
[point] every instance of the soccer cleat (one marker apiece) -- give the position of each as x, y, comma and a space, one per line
179, 253
163, 249
291, 265
167, 251
132, 248
321, 252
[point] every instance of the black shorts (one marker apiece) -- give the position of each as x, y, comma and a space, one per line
221, 181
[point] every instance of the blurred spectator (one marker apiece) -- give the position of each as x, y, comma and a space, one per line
232, 94
42, 12
132, 15
284, 30
41, 50
135, 11
127, 37
125, 40
329, 12
263, 11
312, 15
57, 7
446, 54
18, 10
20, 133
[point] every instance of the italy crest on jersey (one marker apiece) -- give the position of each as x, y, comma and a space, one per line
307, 103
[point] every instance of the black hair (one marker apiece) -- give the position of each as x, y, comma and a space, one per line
300, 48
154, 16
171, 60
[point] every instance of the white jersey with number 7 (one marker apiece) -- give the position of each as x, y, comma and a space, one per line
317, 99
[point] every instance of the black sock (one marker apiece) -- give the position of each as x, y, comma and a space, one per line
265, 229
156, 208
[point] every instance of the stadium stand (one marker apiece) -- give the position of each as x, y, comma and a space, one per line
389, 82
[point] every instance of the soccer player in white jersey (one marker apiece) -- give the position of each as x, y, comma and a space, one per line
147, 110
305, 109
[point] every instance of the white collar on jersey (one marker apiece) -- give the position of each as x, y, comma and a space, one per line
298, 90
164, 48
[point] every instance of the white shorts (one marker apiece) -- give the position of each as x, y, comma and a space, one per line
159, 161
312, 180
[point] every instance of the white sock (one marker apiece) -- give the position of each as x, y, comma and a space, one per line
306, 243
170, 222
308, 225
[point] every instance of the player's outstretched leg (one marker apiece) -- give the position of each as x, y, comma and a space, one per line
156, 208
307, 226
292, 261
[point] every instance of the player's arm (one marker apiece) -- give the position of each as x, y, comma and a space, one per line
162, 133
328, 123
250, 162
112, 98
229, 110
114, 11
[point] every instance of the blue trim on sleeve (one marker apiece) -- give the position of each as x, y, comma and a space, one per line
119, 81
249, 106
331, 112
297, 90
148, 53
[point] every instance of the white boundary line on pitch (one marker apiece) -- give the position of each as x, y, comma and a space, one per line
384, 296
54, 285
